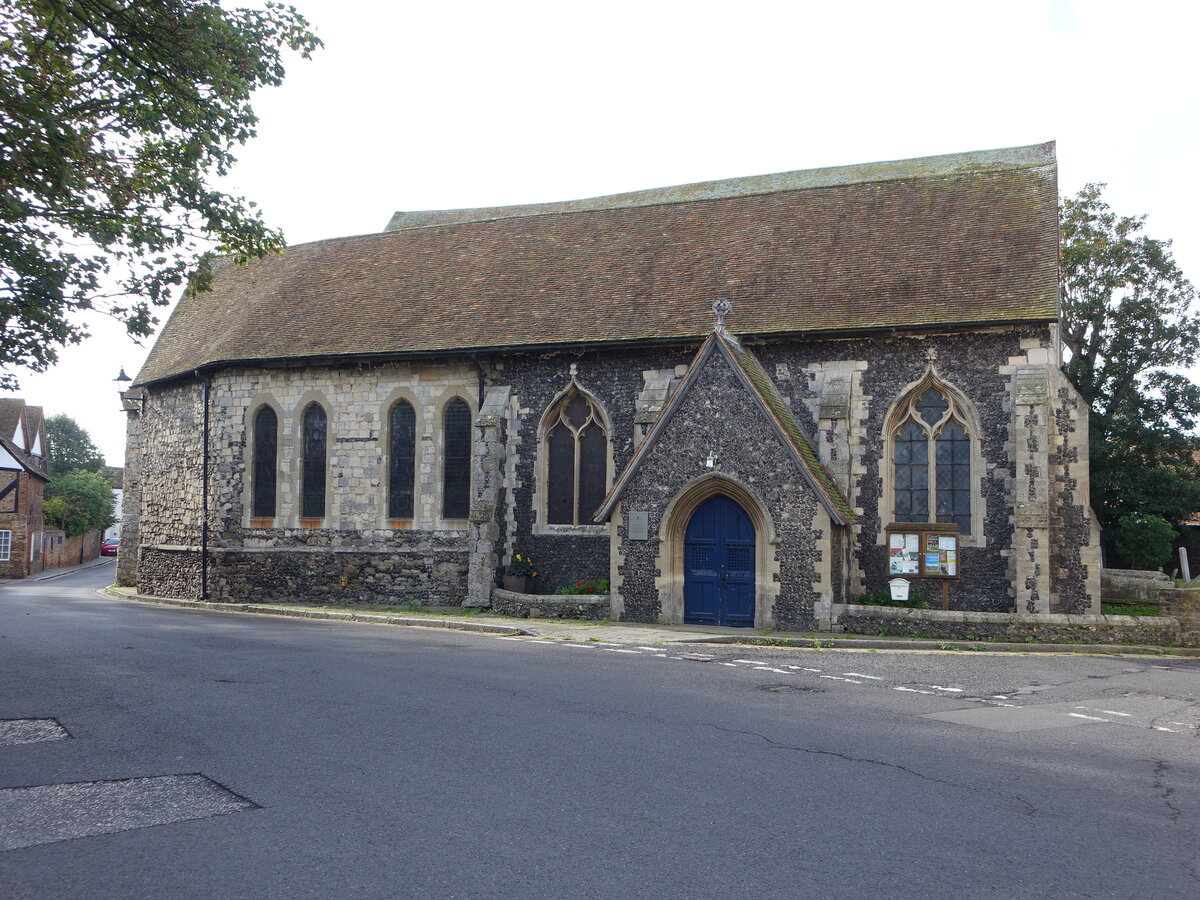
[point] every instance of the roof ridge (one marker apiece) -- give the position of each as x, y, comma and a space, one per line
940, 166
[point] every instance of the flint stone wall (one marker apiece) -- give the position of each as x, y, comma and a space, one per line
592, 607
1046, 627
719, 416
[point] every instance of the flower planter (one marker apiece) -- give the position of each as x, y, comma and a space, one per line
520, 584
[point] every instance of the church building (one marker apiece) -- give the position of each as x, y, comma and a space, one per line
743, 402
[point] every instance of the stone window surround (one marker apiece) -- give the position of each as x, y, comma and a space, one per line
964, 411
542, 465
670, 538
252, 410
310, 398
438, 431
5, 545
422, 426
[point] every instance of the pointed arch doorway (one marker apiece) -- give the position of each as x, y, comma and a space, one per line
719, 562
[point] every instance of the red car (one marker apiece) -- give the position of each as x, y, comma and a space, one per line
110, 547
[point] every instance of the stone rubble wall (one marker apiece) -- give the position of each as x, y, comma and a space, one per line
1043, 627
1184, 605
590, 607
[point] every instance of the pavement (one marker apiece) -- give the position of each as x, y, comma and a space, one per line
633, 633
47, 574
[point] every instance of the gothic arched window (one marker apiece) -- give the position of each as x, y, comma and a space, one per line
576, 447
402, 452
264, 463
456, 459
313, 463
931, 461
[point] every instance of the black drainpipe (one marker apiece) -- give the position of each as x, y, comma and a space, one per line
204, 499
482, 377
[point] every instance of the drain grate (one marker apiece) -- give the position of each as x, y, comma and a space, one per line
30, 731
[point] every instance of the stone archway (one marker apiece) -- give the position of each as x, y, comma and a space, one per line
672, 531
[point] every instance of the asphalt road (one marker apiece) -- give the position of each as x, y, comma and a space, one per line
163, 752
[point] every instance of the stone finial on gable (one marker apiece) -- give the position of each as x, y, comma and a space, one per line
721, 307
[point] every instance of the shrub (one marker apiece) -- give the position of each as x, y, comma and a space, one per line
1144, 541
591, 586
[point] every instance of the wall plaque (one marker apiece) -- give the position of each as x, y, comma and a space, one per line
1030, 388
637, 523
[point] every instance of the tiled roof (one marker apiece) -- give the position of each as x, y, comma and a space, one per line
777, 411
962, 240
12, 411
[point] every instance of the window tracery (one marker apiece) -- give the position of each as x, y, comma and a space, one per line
931, 460
576, 446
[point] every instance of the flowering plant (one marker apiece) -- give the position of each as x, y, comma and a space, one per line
521, 565
591, 586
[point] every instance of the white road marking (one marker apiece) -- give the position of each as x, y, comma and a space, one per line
913, 690
999, 697
946, 689
837, 678
618, 650
750, 662
653, 649
1159, 727
1107, 712
1089, 718
769, 669
860, 675
731, 665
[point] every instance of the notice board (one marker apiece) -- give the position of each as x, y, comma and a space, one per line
923, 552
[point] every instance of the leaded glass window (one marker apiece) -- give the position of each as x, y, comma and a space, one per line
265, 462
456, 459
313, 463
931, 462
577, 461
402, 453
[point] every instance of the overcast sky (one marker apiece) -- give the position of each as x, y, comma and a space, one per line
463, 104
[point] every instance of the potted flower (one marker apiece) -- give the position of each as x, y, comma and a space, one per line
519, 574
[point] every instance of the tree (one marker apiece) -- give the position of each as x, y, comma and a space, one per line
1129, 332
69, 447
1144, 541
114, 117
79, 502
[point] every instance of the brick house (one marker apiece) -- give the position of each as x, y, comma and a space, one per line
743, 402
23, 475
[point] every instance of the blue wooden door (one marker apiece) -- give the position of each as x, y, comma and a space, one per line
718, 561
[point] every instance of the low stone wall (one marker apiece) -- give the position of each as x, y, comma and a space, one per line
1184, 606
592, 607
1132, 586
168, 571
434, 576
1046, 627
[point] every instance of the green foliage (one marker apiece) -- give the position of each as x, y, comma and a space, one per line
591, 586
79, 502
1144, 541
915, 600
521, 565
1128, 327
114, 117
70, 447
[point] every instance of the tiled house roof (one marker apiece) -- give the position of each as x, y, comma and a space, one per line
777, 411
970, 239
14, 412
